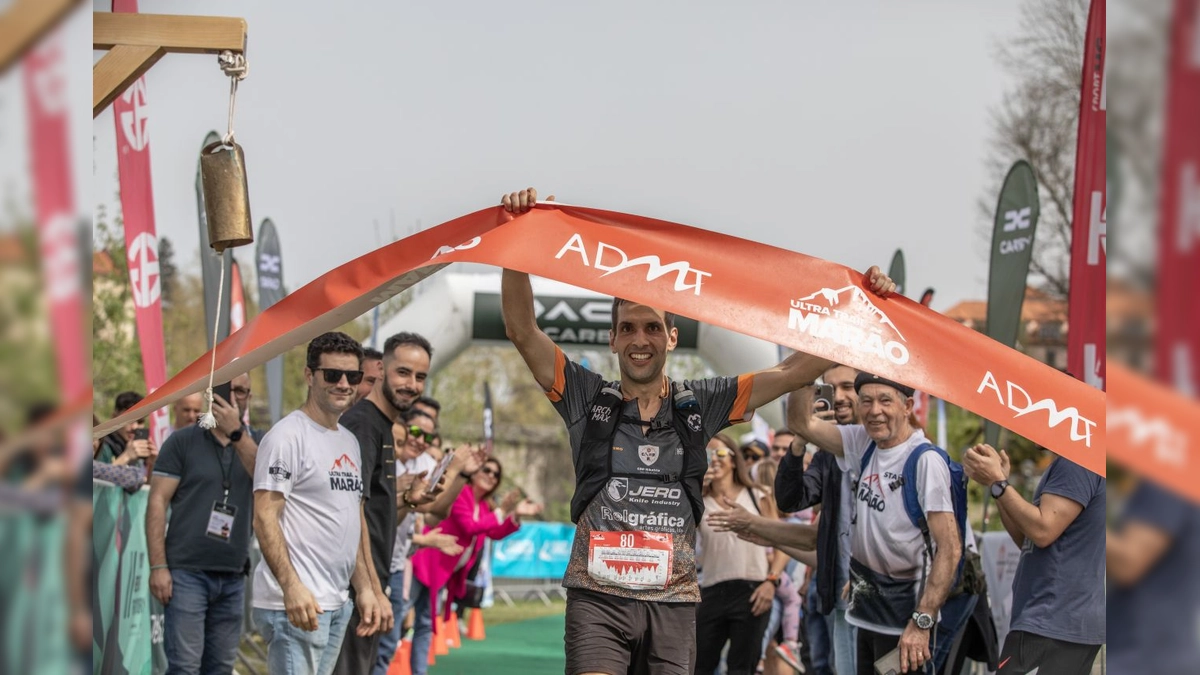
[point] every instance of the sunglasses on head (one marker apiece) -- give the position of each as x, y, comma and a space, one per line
416, 432
333, 375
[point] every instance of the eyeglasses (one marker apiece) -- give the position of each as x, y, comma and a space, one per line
333, 375
415, 432
488, 471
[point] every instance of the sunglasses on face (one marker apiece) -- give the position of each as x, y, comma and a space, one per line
489, 471
415, 432
719, 453
333, 375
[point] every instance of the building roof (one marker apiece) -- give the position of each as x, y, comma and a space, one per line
1038, 306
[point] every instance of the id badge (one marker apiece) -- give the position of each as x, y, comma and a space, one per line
220, 521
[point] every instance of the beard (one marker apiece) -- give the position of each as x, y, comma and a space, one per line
399, 405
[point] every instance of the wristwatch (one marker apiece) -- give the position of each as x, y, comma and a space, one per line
922, 620
998, 488
466, 475
236, 434
774, 579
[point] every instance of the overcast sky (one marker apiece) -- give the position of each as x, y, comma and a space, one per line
837, 130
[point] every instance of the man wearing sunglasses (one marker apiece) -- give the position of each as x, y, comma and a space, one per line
637, 492
308, 515
403, 368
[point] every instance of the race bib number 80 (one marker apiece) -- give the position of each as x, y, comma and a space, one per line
634, 560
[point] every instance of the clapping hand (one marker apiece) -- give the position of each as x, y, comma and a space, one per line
735, 518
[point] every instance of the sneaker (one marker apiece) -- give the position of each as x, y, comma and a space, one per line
789, 652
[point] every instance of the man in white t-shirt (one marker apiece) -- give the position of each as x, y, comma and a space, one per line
894, 596
309, 520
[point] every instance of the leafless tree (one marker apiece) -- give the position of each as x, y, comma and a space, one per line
1038, 119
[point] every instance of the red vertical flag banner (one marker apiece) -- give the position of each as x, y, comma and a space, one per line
1086, 341
237, 299
1178, 334
131, 115
46, 105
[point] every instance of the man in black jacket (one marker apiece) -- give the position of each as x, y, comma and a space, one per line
825, 484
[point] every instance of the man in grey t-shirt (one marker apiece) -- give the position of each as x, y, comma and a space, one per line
1058, 617
632, 573
198, 567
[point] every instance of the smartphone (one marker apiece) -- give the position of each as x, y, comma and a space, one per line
225, 391
889, 663
824, 399
142, 434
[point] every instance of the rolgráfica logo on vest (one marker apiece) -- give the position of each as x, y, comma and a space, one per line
837, 316
1017, 399
611, 260
648, 454
344, 475
652, 519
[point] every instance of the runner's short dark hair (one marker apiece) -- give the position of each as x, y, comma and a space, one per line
668, 317
333, 342
406, 338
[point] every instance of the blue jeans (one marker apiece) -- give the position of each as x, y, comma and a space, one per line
422, 627
293, 651
203, 621
817, 631
389, 640
845, 642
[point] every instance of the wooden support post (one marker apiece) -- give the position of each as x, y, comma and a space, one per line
25, 22
137, 41
119, 68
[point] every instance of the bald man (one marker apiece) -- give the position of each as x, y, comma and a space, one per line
187, 410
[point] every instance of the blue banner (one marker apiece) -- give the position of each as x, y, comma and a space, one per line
536, 551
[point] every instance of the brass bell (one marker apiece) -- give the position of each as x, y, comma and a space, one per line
226, 195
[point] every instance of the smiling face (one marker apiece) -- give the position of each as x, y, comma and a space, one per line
845, 399
403, 450
885, 412
372, 373
335, 398
405, 372
420, 430
721, 462
641, 341
487, 478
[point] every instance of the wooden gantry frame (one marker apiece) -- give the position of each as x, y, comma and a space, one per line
135, 42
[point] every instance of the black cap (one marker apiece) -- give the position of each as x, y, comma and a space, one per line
870, 378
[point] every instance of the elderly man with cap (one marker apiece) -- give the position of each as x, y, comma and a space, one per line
895, 594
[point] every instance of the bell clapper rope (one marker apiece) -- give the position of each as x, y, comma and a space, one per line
235, 66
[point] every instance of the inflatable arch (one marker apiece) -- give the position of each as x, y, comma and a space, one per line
457, 310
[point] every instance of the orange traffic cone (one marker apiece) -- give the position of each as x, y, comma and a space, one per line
400, 660
475, 625
439, 637
453, 633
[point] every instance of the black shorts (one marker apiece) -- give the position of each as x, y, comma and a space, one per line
609, 634
1023, 652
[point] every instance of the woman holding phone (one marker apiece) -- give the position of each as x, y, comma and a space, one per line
473, 518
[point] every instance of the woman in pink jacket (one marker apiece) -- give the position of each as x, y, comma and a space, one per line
471, 520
